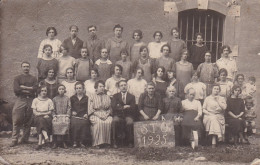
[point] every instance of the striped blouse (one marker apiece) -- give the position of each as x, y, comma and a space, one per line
99, 102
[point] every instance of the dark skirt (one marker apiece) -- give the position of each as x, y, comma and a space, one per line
80, 129
188, 124
235, 125
42, 123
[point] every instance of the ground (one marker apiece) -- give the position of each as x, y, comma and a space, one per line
223, 154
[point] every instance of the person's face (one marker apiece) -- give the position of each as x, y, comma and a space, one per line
51, 34
175, 33
240, 80
118, 32
144, 53
159, 72
48, 51
123, 56
184, 56
195, 78
50, 74
84, 53
64, 51
165, 51
104, 53
61, 90
251, 82
191, 94
249, 105
215, 90
223, 76
44, 92
25, 68
150, 89
207, 57
138, 74
92, 31
237, 92
100, 88
225, 52
137, 37
157, 37
123, 87
170, 75
73, 32
117, 71
79, 89
199, 39
171, 92
70, 74
93, 74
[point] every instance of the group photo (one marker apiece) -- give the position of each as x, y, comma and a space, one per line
90, 88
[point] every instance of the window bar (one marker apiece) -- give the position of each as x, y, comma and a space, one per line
217, 39
192, 29
211, 35
199, 21
187, 26
205, 36
181, 28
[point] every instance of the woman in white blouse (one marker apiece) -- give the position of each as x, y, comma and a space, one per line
51, 33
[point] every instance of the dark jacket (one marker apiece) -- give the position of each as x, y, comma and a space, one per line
74, 50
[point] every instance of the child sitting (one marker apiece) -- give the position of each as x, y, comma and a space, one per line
250, 116
250, 87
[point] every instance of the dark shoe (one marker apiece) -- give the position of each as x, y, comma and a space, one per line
65, 146
130, 145
38, 147
82, 145
54, 146
23, 141
214, 145
75, 145
14, 143
115, 146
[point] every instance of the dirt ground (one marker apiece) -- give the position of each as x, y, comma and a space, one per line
26, 154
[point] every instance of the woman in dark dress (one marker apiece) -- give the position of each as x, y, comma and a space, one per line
160, 84
235, 114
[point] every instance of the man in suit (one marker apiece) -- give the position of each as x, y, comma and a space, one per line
124, 109
73, 43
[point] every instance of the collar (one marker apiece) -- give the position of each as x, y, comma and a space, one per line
93, 37
98, 62
117, 39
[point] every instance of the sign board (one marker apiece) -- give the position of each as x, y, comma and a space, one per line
154, 134
234, 11
170, 7
203, 4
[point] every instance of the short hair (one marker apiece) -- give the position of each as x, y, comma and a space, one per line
150, 84
92, 26
170, 70
160, 67
223, 70
250, 100
156, 33
143, 47
118, 26
118, 83
48, 69
99, 82
25, 62
226, 47
139, 32
40, 88
235, 87
238, 75
69, 68
117, 65
188, 90
51, 28
166, 45
169, 88
85, 48
123, 51
208, 51
79, 83
175, 28
46, 46
198, 34
95, 70
216, 85
61, 85
252, 78
185, 50
74, 26
139, 68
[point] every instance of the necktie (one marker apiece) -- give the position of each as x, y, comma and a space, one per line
124, 98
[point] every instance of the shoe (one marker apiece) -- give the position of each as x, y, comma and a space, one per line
96, 147
65, 146
38, 147
82, 145
54, 146
75, 145
14, 143
214, 145
22, 141
115, 146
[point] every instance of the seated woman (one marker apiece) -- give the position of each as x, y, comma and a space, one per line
160, 84
150, 104
235, 114
172, 107
42, 109
213, 109
100, 115
191, 124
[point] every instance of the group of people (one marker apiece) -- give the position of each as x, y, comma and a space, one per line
92, 92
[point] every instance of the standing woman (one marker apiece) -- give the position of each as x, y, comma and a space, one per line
176, 44
214, 121
50, 82
70, 82
235, 114
184, 70
197, 51
135, 47
155, 47
160, 83
100, 115
89, 84
146, 63
51, 33
225, 85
